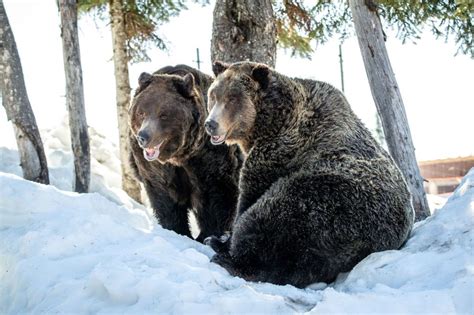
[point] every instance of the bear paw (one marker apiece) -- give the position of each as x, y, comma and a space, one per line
224, 261
220, 244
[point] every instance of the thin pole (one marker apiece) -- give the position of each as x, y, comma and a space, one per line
198, 60
341, 66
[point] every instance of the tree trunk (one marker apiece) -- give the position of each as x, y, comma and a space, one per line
18, 108
122, 87
75, 95
244, 30
388, 99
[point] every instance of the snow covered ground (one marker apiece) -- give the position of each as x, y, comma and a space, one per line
61, 252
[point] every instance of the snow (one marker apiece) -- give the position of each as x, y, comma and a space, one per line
62, 252
436, 202
105, 162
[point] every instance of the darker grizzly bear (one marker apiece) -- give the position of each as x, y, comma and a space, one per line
172, 156
317, 194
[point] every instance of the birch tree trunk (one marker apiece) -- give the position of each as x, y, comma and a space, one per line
244, 30
388, 99
75, 95
122, 88
18, 108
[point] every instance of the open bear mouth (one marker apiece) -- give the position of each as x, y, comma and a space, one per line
152, 154
216, 140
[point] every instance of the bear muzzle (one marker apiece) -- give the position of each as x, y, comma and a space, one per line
143, 138
152, 154
212, 128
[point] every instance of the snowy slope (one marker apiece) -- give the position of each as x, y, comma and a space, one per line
62, 252
433, 273
105, 162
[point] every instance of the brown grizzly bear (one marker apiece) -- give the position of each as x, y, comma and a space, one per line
317, 193
172, 156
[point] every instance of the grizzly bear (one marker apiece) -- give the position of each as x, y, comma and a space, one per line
172, 157
317, 193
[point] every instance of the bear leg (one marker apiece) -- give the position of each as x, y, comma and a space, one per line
171, 214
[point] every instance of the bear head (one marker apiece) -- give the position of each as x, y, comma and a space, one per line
232, 101
166, 115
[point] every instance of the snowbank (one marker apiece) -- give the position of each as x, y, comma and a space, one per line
433, 273
105, 162
65, 252
61, 252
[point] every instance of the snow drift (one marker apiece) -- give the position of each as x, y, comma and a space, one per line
101, 252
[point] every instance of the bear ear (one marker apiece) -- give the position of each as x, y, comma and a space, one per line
218, 67
186, 85
144, 79
261, 74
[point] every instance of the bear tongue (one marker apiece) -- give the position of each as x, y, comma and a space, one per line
150, 151
217, 138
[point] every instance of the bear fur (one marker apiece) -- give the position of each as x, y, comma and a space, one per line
187, 173
317, 193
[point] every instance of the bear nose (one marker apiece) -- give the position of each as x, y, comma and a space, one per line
211, 126
143, 137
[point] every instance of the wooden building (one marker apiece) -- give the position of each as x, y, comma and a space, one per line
443, 176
